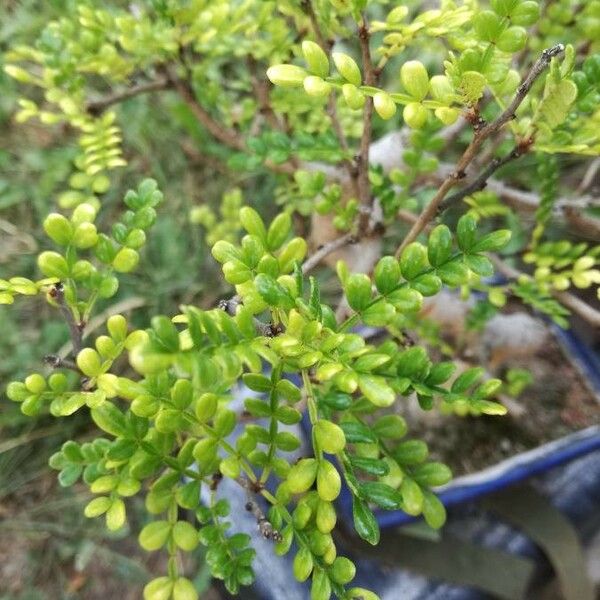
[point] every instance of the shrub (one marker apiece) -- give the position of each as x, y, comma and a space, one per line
494, 83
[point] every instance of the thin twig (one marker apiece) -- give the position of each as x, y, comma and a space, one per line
364, 187
480, 182
589, 176
96, 107
75, 329
312, 261
227, 136
56, 362
264, 525
479, 137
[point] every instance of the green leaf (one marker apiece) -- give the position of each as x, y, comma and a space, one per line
492, 241
411, 452
373, 466
390, 427
110, 419
439, 245
358, 291
376, 390
432, 474
278, 231
465, 380
466, 232
381, 494
387, 274
154, 535
272, 292
413, 261
433, 510
257, 382
364, 521
412, 496
252, 222
357, 433
480, 264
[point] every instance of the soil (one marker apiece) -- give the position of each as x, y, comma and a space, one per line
556, 404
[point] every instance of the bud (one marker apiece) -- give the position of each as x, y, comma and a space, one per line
52, 264
89, 362
329, 436
105, 346
223, 251
346, 381
159, 589
184, 590
326, 516
315, 58
342, 570
84, 213
358, 291
412, 497
58, 228
347, 68
98, 506
302, 475
82, 269
512, 40
294, 250
303, 564
17, 391
441, 89
117, 327
384, 105
302, 514
185, 536
136, 238
447, 115
328, 481
317, 87
286, 75
35, 383
126, 260
278, 231
415, 79
205, 451
85, 236
354, 98
115, 515
415, 115
108, 286
230, 467
252, 222
32, 405
206, 406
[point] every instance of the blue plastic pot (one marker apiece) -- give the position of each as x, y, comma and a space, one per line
521, 466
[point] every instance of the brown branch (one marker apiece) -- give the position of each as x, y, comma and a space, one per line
229, 137
75, 329
326, 249
261, 91
480, 182
264, 525
364, 187
480, 135
98, 106
573, 303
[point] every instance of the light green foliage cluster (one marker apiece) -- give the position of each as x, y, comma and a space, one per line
162, 396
